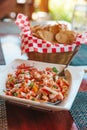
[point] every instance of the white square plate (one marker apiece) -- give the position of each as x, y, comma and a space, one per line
76, 75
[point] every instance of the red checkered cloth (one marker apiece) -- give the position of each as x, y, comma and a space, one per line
29, 43
83, 38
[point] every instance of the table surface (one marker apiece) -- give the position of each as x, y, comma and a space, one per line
24, 118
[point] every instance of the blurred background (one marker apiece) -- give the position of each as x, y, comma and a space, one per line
73, 12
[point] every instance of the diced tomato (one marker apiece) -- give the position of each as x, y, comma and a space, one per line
48, 69
45, 90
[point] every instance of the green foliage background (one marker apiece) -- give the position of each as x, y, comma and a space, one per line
61, 10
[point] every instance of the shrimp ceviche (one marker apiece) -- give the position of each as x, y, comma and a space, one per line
31, 83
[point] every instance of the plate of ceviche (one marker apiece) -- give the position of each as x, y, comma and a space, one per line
37, 84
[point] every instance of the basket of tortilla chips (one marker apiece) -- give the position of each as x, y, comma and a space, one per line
48, 43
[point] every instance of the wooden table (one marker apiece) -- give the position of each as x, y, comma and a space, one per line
24, 118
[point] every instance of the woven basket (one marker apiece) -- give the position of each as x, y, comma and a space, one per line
31, 43
57, 58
